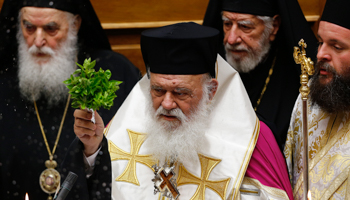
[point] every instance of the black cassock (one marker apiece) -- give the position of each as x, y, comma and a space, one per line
22, 148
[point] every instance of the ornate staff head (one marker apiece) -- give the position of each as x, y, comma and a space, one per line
307, 68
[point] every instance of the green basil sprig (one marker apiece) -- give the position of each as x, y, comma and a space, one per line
92, 89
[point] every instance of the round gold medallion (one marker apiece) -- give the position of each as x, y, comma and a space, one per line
50, 178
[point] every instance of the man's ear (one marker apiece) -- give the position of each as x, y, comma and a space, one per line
77, 22
213, 88
276, 26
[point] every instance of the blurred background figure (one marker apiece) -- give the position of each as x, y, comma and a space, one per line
258, 37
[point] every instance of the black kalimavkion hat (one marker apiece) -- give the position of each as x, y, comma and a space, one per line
183, 48
71, 6
254, 7
337, 12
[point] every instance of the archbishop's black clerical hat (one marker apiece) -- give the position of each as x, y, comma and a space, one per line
337, 12
254, 7
182, 48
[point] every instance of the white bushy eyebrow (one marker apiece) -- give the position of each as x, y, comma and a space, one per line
241, 22
246, 22
155, 87
224, 18
183, 90
26, 23
51, 24
178, 90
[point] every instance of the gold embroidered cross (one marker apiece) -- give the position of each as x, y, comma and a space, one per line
129, 174
207, 165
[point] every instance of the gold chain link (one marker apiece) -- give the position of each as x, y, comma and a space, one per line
266, 83
59, 130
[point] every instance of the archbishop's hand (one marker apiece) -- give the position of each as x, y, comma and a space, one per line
90, 134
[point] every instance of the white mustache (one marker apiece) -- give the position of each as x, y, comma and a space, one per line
177, 112
236, 47
44, 50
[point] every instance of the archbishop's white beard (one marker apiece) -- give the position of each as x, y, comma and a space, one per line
47, 78
184, 142
253, 57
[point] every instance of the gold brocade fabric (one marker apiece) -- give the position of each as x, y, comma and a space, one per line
329, 153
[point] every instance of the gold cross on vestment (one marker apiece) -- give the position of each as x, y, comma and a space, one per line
136, 141
207, 166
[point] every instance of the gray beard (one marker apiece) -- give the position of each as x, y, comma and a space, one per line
182, 141
36, 80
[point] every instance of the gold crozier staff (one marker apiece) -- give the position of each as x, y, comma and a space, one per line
307, 68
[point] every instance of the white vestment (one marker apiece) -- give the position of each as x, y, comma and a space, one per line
219, 171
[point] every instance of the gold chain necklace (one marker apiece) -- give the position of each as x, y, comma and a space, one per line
50, 178
266, 83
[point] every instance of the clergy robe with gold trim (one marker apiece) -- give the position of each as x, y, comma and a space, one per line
222, 163
329, 153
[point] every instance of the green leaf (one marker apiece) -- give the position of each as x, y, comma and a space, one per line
78, 71
67, 82
108, 74
91, 89
82, 67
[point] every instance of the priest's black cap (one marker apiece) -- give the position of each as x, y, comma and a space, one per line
337, 12
71, 6
254, 7
182, 48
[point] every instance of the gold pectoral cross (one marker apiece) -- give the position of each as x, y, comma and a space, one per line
207, 166
136, 141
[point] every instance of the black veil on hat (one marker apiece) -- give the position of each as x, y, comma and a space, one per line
182, 48
293, 23
261, 7
337, 12
91, 33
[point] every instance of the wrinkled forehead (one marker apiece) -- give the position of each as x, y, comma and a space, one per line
41, 10
42, 16
192, 81
227, 15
